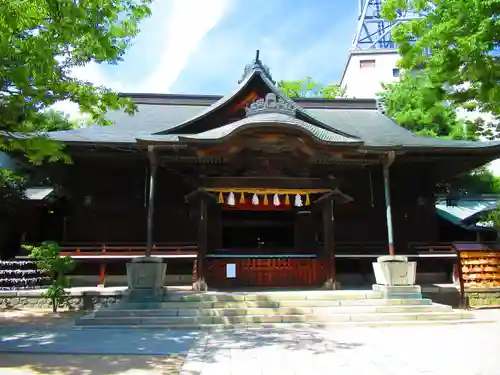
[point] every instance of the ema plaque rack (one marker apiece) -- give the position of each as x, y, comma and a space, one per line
478, 267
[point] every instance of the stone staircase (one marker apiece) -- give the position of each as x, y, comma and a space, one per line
274, 309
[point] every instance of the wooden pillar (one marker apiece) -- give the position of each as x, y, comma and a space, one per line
329, 243
200, 283
151, 195
102, 273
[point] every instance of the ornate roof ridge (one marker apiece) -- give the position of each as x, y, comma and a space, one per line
256, 65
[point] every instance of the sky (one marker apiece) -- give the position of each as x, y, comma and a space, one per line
202, 46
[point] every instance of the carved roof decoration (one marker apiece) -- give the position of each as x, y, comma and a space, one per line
271, 103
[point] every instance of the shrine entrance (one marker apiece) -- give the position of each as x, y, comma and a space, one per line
267, 238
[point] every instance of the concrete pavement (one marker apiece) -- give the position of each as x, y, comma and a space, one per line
432, 350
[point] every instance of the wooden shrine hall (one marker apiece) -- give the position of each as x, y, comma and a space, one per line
257, 189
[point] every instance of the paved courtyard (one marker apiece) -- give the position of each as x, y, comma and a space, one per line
460, 349
58, 349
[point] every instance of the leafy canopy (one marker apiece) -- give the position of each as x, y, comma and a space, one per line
41, 41
455, 45
307, 88
413, 105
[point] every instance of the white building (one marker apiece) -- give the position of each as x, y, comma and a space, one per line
365, 71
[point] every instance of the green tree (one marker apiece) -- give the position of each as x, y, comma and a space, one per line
307, 88
40, 43
48, 258
51, 120
412, 103
455, 46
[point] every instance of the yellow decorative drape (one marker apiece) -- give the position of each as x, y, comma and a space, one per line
261, 191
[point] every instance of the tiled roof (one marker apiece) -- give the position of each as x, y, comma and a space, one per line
371, 126
273, 119
158, 121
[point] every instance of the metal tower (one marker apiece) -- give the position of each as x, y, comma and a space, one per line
372, 31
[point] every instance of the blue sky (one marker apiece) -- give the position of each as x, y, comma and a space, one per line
202, 46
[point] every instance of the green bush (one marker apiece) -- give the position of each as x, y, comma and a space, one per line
48, 258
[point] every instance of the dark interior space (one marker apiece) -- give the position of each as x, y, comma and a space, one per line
258, 229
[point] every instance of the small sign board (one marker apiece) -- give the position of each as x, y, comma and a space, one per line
231, 270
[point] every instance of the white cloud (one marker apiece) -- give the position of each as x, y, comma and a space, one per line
91, 73
188, 22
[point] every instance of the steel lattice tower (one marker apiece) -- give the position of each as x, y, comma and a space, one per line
372, 31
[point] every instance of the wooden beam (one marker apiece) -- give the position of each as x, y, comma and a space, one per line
200, 283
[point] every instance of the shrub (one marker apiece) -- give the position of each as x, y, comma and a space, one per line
48, 259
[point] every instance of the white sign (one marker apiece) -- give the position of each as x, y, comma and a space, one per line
231, 271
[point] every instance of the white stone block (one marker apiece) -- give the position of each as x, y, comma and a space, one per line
394, 271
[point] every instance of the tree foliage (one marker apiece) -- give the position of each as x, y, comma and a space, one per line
455, 45
308, 88
412, 105
41, 41
51, 120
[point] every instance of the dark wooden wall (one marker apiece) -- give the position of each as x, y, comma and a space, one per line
118, 190
364, 219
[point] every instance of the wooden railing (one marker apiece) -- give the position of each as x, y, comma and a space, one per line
426, 247
360, 248
128, 249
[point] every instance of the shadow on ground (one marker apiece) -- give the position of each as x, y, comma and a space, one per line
37, 364
313, 341
66, 340
38, 318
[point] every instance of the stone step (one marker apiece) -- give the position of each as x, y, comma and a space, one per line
308, 325
271, 304
270, 311
248, 319
313, 295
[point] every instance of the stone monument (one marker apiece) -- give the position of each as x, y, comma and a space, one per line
146, 278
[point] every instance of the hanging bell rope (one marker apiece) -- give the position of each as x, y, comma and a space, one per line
276, 200
287, 200
221, 198
242, 198
266, 202
308, 200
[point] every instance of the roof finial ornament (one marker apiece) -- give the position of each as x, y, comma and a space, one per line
257, 65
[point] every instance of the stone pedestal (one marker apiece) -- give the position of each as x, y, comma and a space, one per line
399, 291
146, 277
394, 270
